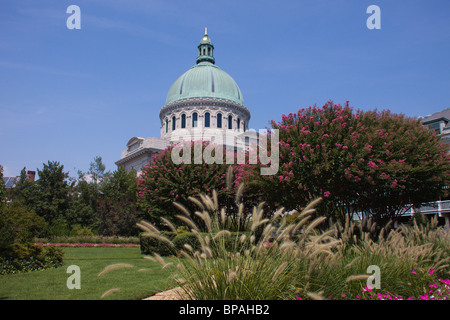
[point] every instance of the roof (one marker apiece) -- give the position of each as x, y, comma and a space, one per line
438, 116
10, 182
205, 80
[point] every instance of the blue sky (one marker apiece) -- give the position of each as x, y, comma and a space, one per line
70, 95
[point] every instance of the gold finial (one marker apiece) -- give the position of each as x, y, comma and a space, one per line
205, 37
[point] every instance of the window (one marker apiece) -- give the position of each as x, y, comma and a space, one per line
207, 119
173, 123
436, 127
230, 122
183, 121
239, 124
219, 120
194, 119
167, 125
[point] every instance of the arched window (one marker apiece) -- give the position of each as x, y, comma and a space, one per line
239, 124
194, 119
183, 121
173, 123
167, 125
230, 122
207, 120
219, 120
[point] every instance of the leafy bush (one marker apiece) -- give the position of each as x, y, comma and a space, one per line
164, 182
357, 161
186, 238
150, 245
29, 257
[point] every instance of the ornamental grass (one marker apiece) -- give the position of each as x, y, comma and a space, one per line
276, 259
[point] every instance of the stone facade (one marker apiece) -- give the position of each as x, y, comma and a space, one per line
210, 114
140, 151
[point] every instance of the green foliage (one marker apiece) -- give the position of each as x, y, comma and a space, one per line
163, 182
186, 238
18, 225
2, 187
151, 245
116, 210
29, 257
357, 161
51, 193
294, 258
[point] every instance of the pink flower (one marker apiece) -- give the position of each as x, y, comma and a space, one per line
414, 271
299, 298
368, 288
431, 271
326, 194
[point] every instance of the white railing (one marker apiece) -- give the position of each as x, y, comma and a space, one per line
438, 207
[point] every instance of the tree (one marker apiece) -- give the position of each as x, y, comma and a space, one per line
97, 170
378, 163
2, 188
116, 207
164, 182
51, 192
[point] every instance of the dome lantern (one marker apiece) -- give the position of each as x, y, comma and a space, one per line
205, 49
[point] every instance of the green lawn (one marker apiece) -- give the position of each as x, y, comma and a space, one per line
50, 284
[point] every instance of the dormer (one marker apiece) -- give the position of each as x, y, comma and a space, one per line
134, 143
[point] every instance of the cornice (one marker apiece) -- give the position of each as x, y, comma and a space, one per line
202, 102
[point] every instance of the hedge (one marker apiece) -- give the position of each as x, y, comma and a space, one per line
29, 257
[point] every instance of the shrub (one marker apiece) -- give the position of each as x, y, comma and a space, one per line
150, 245
164, 182
187, 238
29, 257
357, 161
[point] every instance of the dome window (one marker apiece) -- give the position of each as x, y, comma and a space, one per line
174, 123
230, 122
194, 119
183, 121
219, 120
207, 120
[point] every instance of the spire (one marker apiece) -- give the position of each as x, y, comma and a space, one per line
205, 49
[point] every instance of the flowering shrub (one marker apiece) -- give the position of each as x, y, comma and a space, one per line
376, 162
438, 289
164, 182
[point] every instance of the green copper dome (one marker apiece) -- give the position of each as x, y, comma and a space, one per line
205, 79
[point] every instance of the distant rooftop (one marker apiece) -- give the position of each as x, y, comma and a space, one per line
444, 114
10, 182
